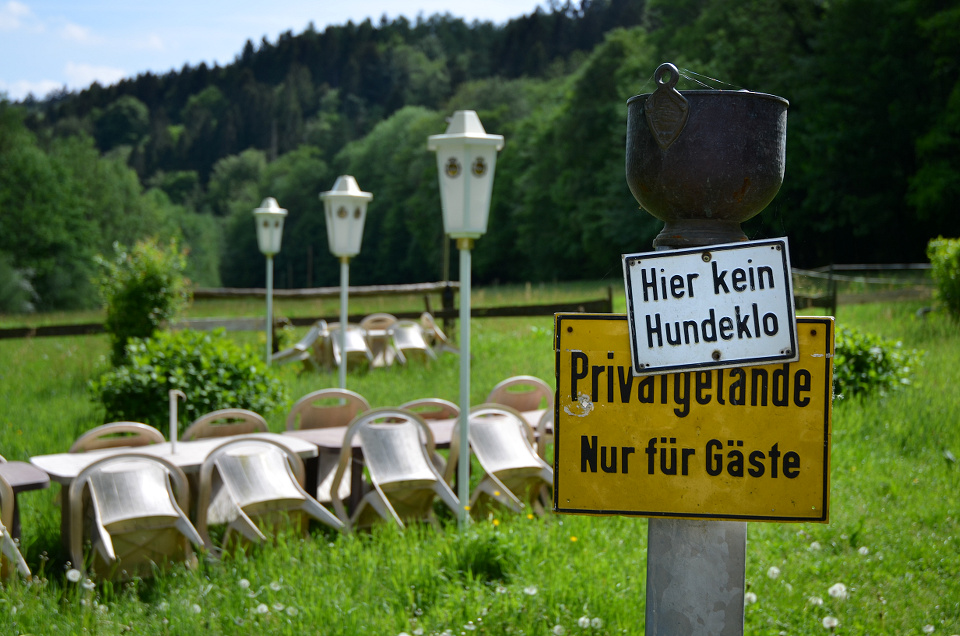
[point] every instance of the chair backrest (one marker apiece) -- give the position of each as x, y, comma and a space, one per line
432, 408
225, 422
117, 435
326, 408
356, 343
523, 393
378, 321
304, 348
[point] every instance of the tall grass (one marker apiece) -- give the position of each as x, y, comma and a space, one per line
893, 540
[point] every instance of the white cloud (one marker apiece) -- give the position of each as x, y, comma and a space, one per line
79, 34
152, 42
80, 76
14, 15
21, 88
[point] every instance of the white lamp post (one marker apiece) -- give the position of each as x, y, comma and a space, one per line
466, 159
269, 219
346, 210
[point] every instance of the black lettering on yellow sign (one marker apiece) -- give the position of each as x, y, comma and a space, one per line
755, 386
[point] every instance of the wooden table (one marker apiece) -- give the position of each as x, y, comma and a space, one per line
63, 468
22, 477
329, 442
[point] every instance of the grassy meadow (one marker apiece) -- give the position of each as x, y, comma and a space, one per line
893, 541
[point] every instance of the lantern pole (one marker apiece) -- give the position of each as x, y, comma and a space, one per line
269, 307
344, 294
463, 465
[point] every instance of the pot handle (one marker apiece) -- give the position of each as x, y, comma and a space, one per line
666, 110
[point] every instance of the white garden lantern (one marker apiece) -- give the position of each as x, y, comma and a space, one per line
466, 160
345, 207
269, 219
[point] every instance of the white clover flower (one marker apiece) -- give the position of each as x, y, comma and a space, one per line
829, 622
195, 608
530, 590
469, 626
558, 630
403, 634
815, 600
278, 607
864, 550
163, 606
501, 589
749, 598
815, 545
838, 591
73, 575
596, 622
928, 629
418, 631
275, 586
244, 584
773, 572
262, 608
292, 611
583, 622
88, 584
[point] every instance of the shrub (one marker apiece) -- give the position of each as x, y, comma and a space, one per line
944, 255
16, 293
212, 371
865, 362
141, 289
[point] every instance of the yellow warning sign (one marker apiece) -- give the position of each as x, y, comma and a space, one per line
744, 443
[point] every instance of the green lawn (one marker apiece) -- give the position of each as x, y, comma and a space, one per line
893, 540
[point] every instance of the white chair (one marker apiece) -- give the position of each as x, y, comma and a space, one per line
9, 551
130, 507
304, 350
378, 331
502, 442
432, 408
327, 408
117, 435
410, 343
527, 393
397, 448
248, 484
356, 349
225, 423
434, 335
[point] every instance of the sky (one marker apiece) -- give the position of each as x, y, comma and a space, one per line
46, 45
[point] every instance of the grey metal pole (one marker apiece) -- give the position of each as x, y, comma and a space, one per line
344, 286
696, 573
463, 467
269, 308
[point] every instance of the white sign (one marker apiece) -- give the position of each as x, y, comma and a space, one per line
710, 307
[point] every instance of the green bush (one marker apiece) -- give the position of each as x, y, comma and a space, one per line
212, 371
864, 363
141, 289
944, 255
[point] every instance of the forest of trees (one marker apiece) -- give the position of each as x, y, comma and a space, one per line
873, 142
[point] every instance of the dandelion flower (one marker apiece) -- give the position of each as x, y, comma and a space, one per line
773, 572
574, 539
262, 608
195, 608
530, 590
558, 630
501, 589
292, 611
275, 586
596, 622
89, 585
815, 545
928, 629
469, 626
838, 591
244, 584
749, 598
815, 600
529, 515
864, 550
278, 607
73, 575
496, 522
583, 622
829, 622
